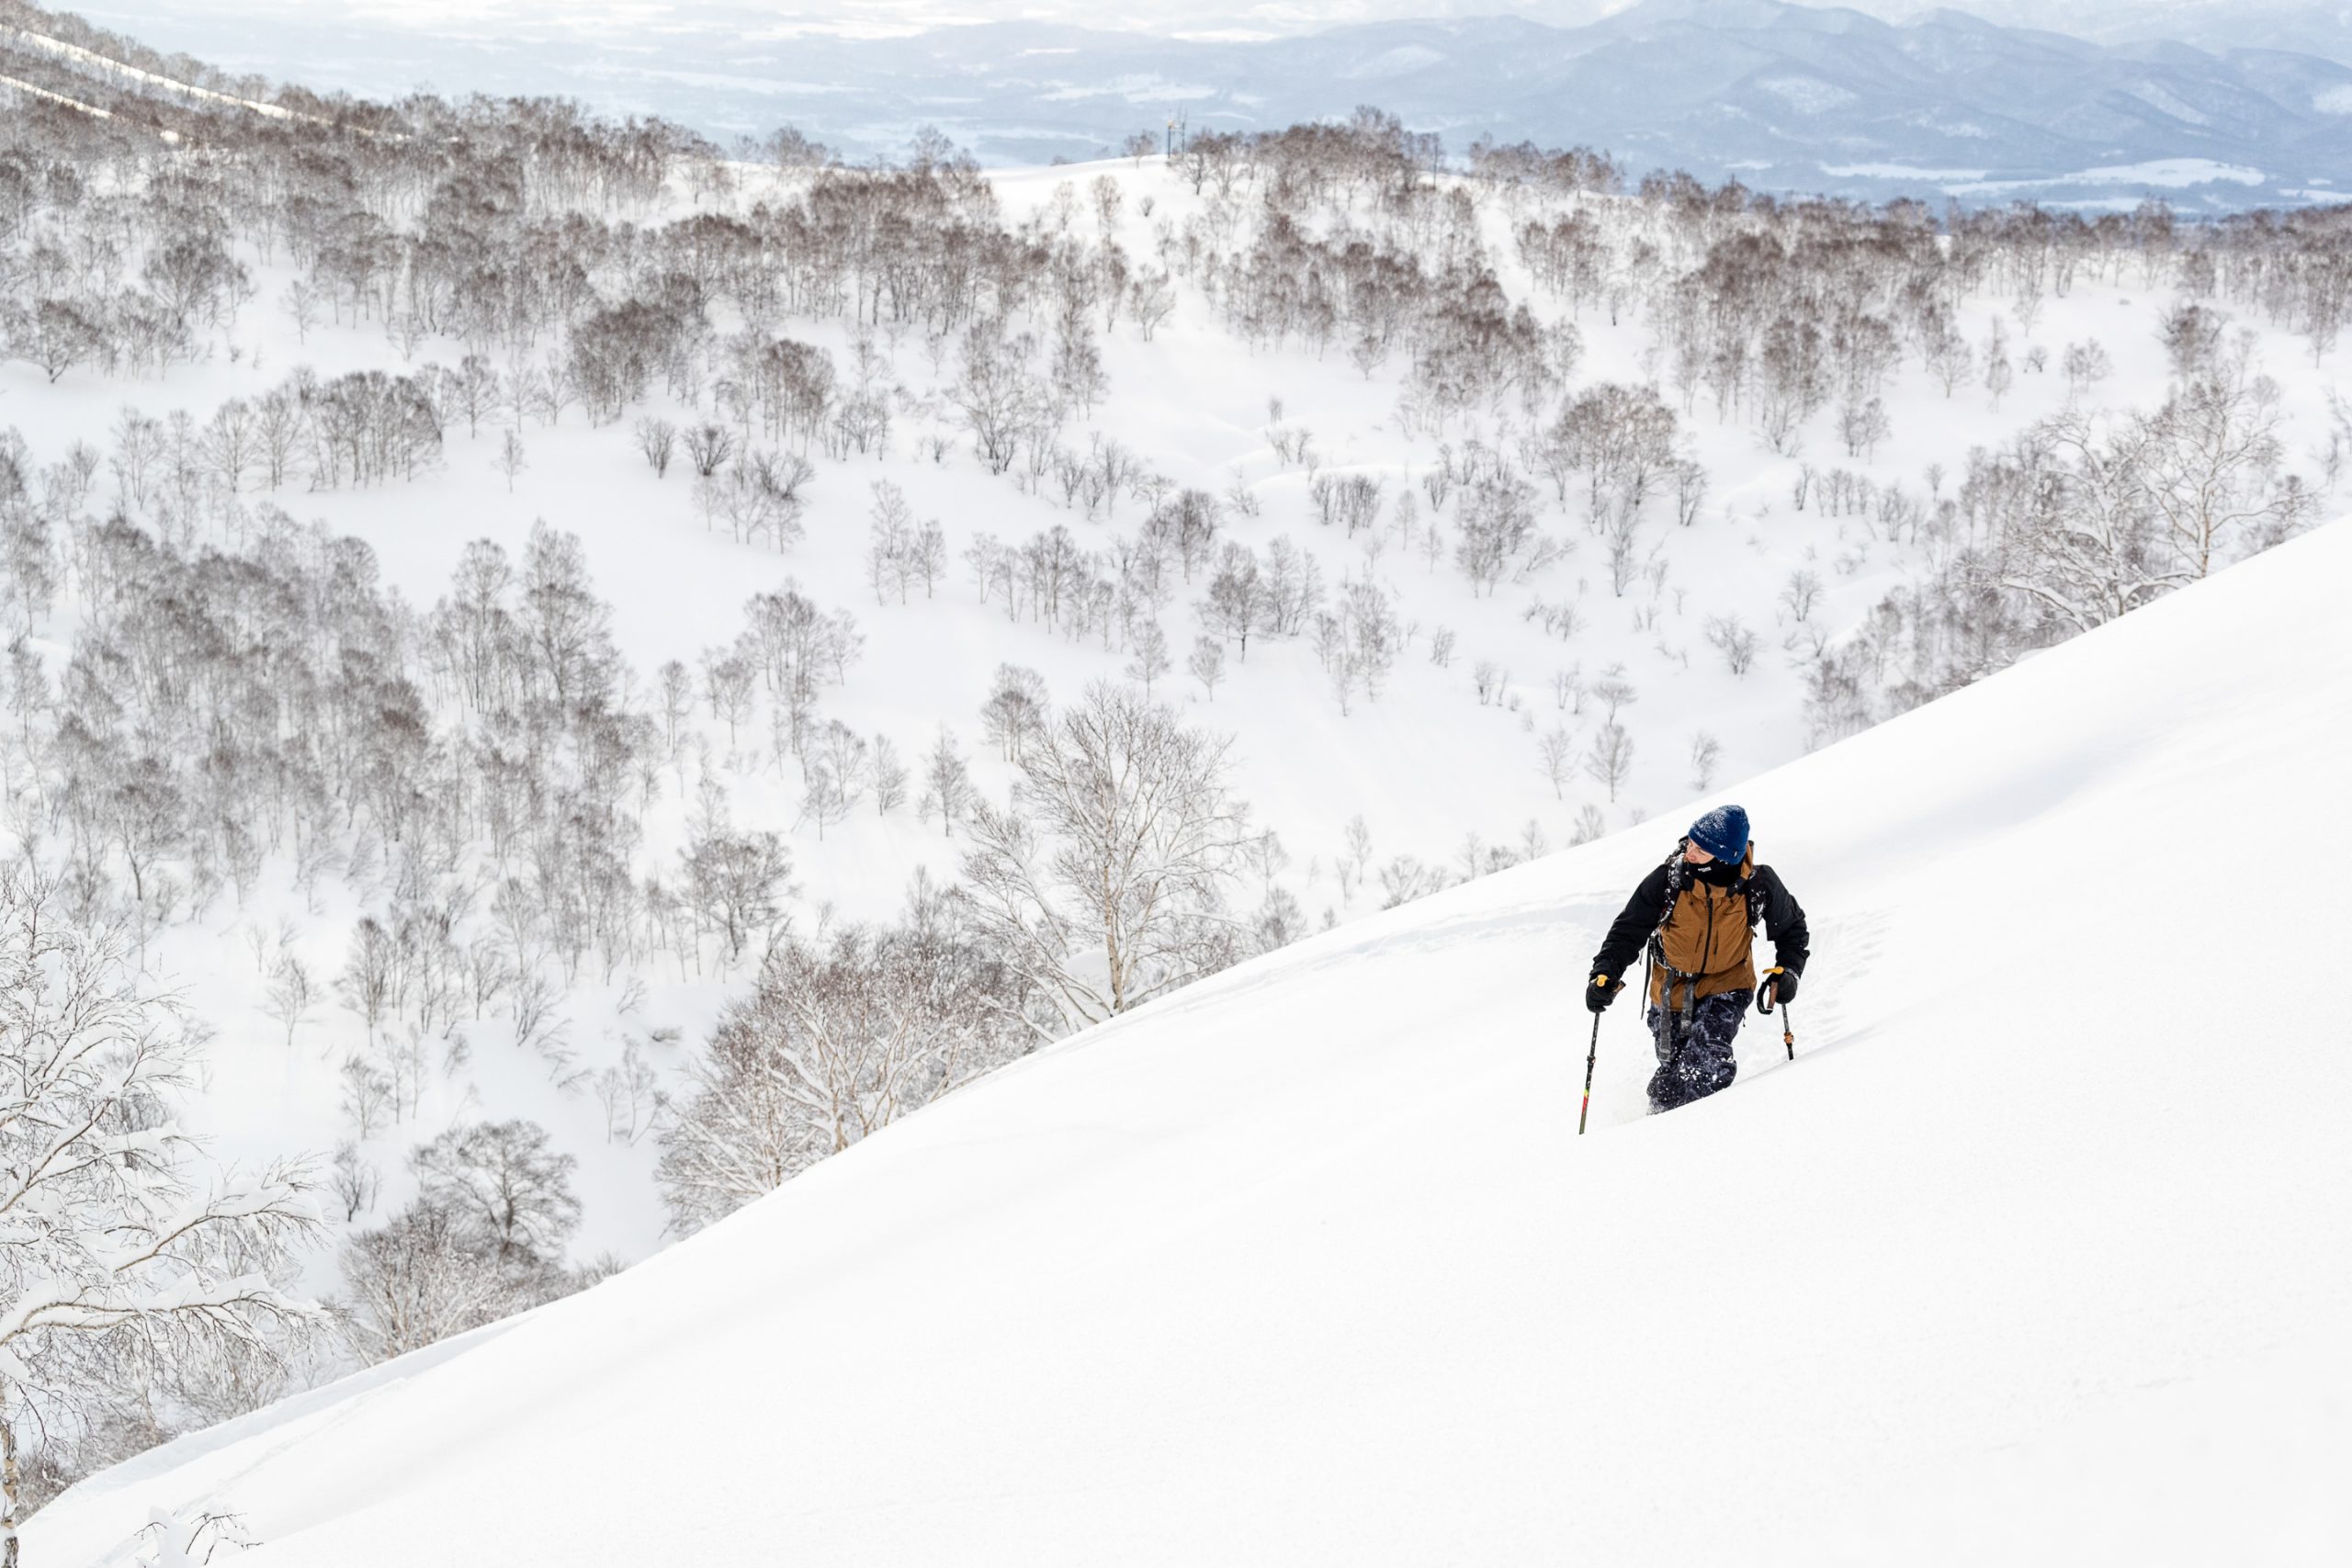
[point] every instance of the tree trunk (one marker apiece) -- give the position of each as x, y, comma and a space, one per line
8, 1485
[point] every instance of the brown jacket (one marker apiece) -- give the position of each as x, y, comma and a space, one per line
1708, 934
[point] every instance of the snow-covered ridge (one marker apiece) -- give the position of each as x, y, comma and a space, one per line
1305, 1263
24, 86
92, 61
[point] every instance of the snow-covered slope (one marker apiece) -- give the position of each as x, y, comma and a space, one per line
2036, 1252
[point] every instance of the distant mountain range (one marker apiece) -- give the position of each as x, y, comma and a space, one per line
2307, 27
1788, 98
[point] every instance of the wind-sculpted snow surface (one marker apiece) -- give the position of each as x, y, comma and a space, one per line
2033, 1254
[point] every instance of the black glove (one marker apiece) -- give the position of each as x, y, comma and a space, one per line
1784, 985
1600, 994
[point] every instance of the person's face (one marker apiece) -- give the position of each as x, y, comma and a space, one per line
1696, 856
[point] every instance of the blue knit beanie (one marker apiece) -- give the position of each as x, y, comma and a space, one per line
1722, 832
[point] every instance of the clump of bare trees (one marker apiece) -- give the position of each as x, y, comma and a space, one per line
838, 1037
129, 1268
2080, 520
484, 1238
1105, 880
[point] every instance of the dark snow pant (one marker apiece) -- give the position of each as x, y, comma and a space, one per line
1694, 1054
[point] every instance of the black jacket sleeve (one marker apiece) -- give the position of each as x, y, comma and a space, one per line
1622, 946
1783, 921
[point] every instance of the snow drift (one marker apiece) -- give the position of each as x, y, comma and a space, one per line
2038, 1251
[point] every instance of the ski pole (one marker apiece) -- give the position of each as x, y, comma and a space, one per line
1764, 1000
1589, 1059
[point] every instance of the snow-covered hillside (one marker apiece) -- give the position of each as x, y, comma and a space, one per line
1443, 773
483, 777
2036, 1253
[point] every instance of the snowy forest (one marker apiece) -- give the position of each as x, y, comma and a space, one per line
499, 767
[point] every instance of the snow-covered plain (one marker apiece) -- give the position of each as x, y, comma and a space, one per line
2037, 1253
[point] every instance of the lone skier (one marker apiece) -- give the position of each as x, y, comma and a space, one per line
1698, 912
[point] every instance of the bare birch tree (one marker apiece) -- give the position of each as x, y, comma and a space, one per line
2211, 459
1102, 881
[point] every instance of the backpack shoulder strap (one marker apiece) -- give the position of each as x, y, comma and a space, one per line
1676, 878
